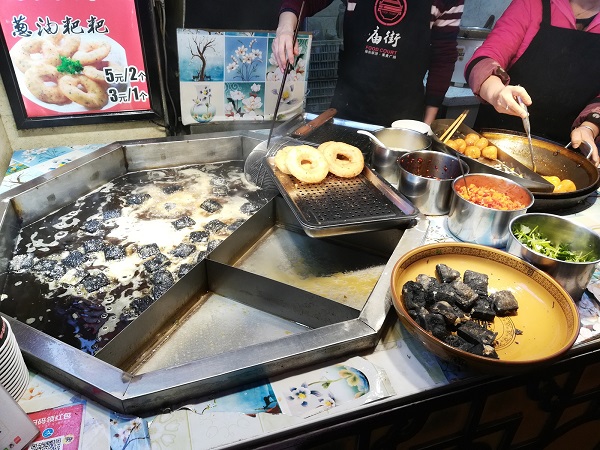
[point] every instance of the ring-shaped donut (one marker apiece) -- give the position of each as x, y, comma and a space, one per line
307, 164
33, 51
90, 53
66, 45
280, 159
42, 81
344, 160
84, 91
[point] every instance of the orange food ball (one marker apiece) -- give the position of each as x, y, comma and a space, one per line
471, 138
565, 185
473, 152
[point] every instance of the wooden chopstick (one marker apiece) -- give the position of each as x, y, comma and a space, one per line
454, 126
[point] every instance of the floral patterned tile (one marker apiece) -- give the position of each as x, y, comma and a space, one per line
36, 156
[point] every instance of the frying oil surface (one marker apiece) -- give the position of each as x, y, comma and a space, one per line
84, 272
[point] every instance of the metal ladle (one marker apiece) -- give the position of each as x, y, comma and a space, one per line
373, 137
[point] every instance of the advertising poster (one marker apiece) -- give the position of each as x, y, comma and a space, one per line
75, 57
60, 428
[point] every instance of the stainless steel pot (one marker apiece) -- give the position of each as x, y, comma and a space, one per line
573, 276
396, 143
426, 178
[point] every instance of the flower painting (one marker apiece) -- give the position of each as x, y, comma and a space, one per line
231, 76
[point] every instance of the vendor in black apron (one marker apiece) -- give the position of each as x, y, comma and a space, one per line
557, 76
389, 47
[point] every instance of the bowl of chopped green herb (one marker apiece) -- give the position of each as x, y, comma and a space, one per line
566, 251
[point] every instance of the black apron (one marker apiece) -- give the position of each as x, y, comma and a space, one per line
384, 61
559, 70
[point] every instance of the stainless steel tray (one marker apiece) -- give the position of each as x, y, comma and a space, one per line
338, 206
505, 166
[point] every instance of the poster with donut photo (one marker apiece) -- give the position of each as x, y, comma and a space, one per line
76, 57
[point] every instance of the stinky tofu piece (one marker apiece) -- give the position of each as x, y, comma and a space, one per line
114, 252
250, 208
171, 189
148, 250
163, 280
476, 281
183, 222
427, 282
155, 263
434, 324
476, 334
136, 199
210, 205
458, 342
74, 259
93, 245
466, 297
443, 293
504, 303
484, 350
453, 315
483, 309
214, 226
183, 250
446, 274
199, 236
413, 295
111, 214
92, 283
91, 225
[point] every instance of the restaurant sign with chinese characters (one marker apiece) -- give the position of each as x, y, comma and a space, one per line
77, 61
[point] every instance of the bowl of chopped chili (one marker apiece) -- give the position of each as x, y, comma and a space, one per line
482, 207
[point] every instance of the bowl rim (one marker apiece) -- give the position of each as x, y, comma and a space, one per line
554, 216
461, 354
496, 177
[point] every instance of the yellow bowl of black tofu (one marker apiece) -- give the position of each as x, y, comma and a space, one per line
482, 308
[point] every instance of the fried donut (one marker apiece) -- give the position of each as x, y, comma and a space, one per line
280, 159
95, 74
307, 164
42, 81
90, 53
344, 160
66, 45
80, 89
33, 51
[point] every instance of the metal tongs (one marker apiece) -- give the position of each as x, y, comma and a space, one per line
527, 127
288, 67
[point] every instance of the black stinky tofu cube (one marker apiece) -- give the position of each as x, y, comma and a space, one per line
475, 333
504, 303
93, 245
136, 199
114, 252
171, 189
413, 295
91, 225
436, 325
446, 274
146, 251
214, 226
155, 263
199, 236
92, 283
74, 259
476, 281
111, 214
443, 293
451, 314
458, 342
484, 350
183, 250
210, 206
483, 309
465, 296
183, 222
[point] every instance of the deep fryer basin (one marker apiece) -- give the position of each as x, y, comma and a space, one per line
129, 374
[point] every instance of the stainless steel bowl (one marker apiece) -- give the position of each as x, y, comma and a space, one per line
426, 178
397, 142
477, 224
572, 276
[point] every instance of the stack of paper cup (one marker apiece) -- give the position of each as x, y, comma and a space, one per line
14, 375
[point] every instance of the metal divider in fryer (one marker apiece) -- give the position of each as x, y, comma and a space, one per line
276, 298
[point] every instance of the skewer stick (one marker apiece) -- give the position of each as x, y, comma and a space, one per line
454, 126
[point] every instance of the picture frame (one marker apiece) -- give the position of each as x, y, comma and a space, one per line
127, 81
